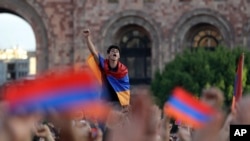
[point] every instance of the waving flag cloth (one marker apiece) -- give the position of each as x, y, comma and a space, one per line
238, 82
64, 92
119, 80
185, 108
95, 68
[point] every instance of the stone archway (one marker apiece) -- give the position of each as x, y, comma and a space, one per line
23, 9
196, 17
136, 47
136, 18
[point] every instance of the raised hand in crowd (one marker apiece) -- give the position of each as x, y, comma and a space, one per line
184, 133
43, 131
242, 114
211, 131
140, 126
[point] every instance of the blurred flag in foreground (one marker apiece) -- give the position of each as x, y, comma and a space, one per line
238, 82
63, 91
189, 110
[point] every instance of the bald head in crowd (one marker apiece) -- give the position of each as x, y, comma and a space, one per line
213, 96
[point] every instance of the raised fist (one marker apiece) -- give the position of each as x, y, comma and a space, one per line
86, 32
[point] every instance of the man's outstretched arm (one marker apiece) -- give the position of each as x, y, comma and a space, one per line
91, 46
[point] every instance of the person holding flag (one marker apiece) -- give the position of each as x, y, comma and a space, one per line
112, 74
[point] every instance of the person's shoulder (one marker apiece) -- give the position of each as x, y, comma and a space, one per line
123, 66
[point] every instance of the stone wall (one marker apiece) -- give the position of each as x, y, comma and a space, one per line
58, 24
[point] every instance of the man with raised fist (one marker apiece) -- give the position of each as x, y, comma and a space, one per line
115, 78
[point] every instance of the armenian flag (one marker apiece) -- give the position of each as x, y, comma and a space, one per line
66, 91
238, 82
189, 110
119, 80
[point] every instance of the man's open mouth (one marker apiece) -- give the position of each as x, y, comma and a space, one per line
114, 55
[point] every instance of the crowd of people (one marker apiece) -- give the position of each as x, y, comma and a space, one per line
142, 121
134, 115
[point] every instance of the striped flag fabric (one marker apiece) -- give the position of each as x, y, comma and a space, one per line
184, 107
238, 88
64, 92
94, 68
119, 80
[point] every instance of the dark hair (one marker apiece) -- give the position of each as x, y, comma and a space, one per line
113, 46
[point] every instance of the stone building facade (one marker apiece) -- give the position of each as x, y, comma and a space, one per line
149, 32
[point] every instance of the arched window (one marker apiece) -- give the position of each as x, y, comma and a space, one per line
136, 53
17, 47
204, 35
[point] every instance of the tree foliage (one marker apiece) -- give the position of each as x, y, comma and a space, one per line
200, 68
